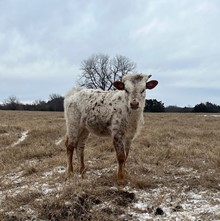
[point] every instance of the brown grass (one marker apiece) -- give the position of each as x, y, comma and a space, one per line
174, 154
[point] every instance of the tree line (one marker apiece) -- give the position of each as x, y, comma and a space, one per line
55, 103
99, 72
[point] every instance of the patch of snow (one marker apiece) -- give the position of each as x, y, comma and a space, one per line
59, 169
15, 177
58, 142
48, 173
13, 192
100, 172
32, 162
186, 170
68, 203
194, 196
140, 205
140, 216
47, 189
9, 179
27, 209
192, 204
211, 115
103, 205
22, 138
4, 134
186, 173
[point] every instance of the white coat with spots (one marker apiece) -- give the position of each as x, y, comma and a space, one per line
118, 114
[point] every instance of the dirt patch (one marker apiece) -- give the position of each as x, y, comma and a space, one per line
120, 197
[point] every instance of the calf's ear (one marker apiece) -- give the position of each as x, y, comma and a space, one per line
119, 85
151, 84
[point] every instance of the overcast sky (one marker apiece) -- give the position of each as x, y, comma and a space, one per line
42, 44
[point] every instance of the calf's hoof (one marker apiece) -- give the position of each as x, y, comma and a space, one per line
121, 182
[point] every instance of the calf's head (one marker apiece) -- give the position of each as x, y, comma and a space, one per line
134, 86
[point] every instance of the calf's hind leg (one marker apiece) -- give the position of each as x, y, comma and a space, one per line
69, 150
80, 150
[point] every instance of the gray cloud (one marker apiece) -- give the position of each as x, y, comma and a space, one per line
43, 42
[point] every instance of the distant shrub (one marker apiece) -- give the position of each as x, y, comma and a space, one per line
207, 108
154, 106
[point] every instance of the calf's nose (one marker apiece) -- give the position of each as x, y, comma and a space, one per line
134, 105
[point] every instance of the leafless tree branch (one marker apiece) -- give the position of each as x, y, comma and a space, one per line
99, 71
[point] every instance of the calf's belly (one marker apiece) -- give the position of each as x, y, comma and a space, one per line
99, 129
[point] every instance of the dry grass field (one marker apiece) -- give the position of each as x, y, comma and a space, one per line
173, 171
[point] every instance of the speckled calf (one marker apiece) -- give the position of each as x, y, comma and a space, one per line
118, 114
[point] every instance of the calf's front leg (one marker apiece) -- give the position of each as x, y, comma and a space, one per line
118, 142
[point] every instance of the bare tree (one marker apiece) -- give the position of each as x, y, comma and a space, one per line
99, 71
12, 103
54, 96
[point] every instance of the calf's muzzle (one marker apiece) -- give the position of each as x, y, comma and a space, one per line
134, 104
